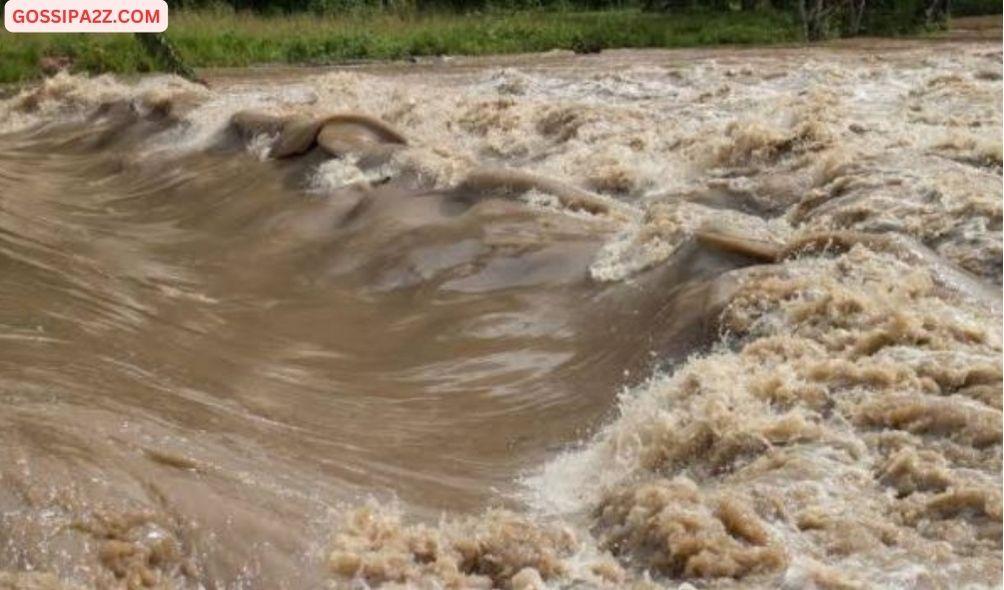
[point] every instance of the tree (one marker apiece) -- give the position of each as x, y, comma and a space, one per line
936, 12
855, 15
164, 55
814, 15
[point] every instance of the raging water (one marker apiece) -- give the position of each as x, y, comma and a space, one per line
741, 326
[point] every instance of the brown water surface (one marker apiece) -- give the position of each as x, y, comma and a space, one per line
209, 354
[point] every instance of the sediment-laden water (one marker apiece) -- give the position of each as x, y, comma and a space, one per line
644, 319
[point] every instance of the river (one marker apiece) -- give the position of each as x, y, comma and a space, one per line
722, 317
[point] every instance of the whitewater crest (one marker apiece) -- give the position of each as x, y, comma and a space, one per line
625, 322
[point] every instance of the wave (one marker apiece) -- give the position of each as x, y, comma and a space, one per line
734, 323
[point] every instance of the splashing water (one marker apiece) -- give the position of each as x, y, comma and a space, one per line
725, 318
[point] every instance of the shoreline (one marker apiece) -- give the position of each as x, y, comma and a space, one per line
557, 58
217, 43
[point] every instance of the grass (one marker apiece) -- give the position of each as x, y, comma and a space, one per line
225, 39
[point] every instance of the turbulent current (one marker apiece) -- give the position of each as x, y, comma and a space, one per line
712, 319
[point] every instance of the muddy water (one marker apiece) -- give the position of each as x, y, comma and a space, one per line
740, 327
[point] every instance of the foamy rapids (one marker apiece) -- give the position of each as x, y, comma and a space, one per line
842, 429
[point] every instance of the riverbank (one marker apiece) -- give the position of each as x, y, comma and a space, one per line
227, 39
222, 39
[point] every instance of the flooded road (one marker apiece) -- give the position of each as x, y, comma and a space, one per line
725, 317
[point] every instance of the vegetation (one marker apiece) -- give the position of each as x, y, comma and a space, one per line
212, 33
226, 38
976, 7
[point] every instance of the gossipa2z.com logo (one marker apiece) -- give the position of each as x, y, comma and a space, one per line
85, 16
